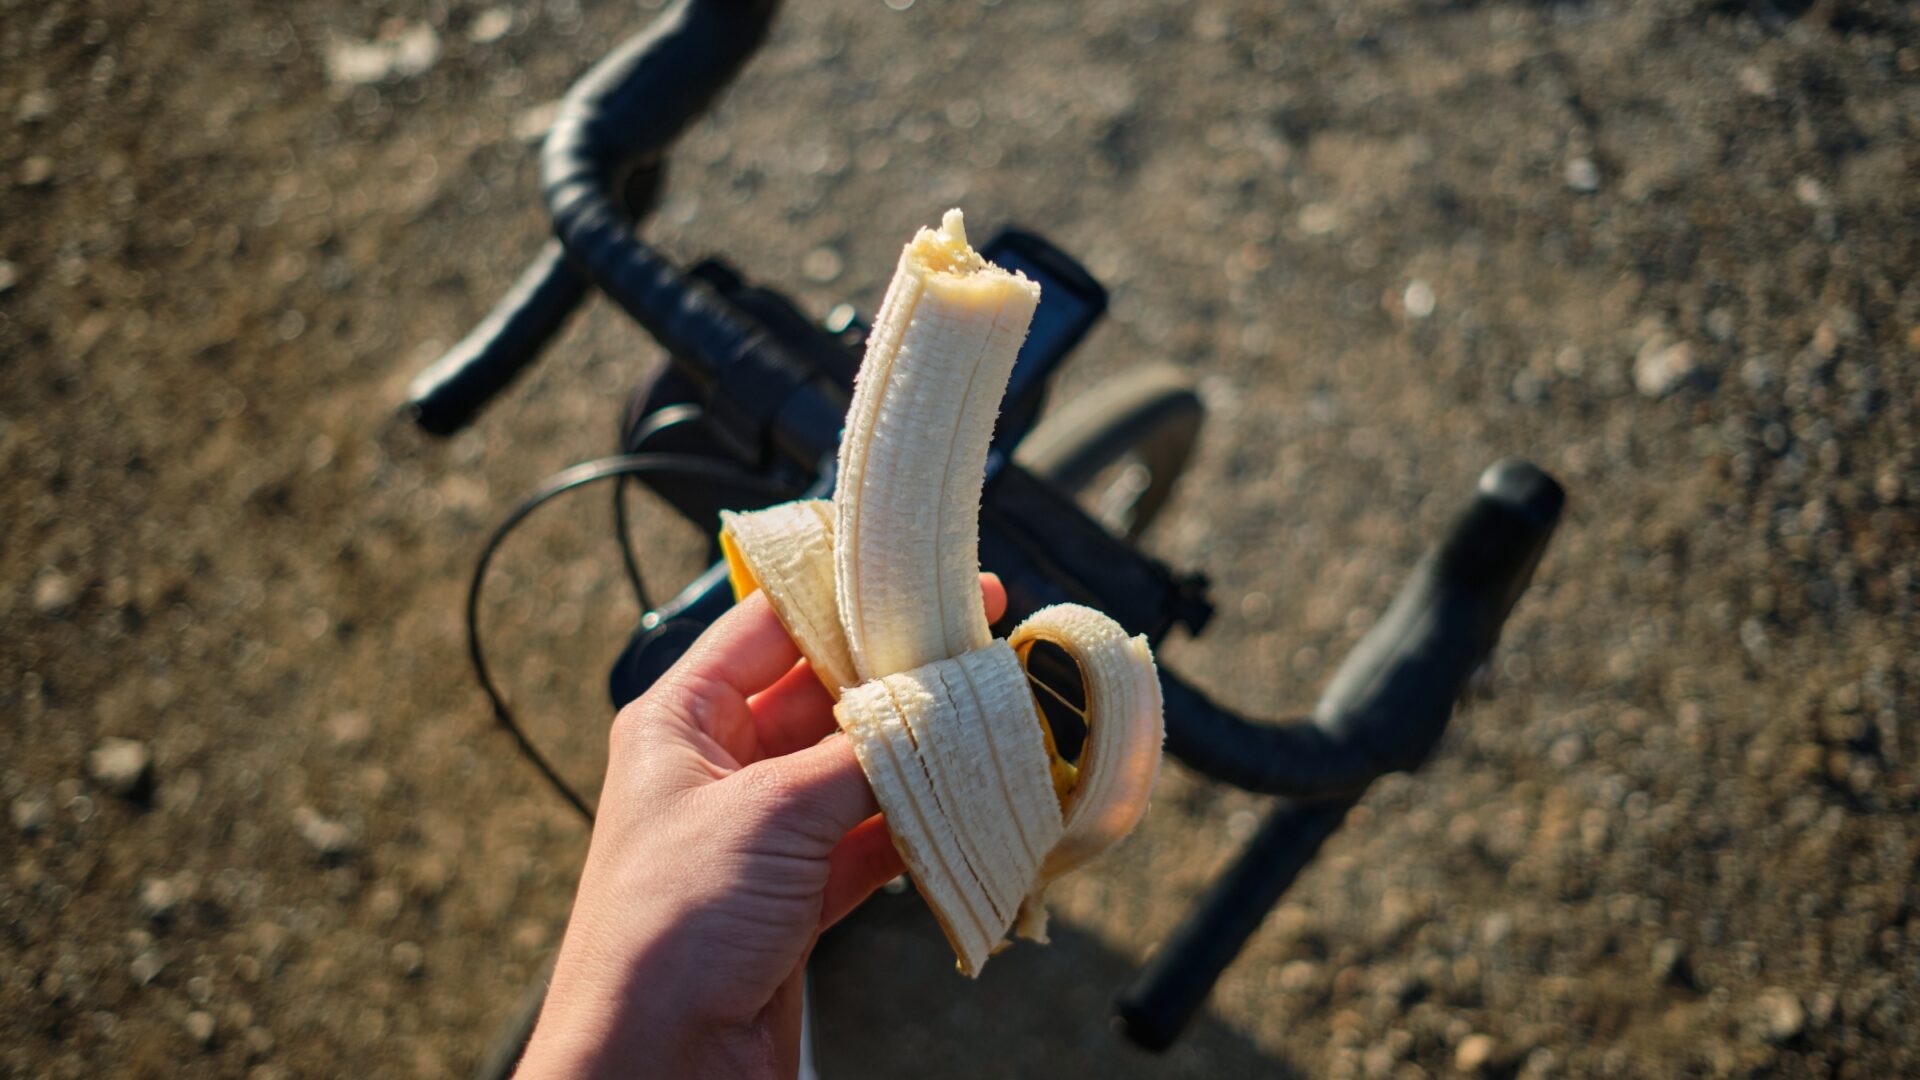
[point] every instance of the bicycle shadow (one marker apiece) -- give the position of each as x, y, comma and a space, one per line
887, 1002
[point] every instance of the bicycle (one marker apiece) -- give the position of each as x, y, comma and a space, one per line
748, 414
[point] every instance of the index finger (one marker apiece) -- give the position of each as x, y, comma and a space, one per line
746, 650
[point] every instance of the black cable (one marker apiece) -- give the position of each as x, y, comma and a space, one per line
628, 560
559, 484
636, 432
636, 416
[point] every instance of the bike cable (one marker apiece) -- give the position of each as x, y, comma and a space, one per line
619, 466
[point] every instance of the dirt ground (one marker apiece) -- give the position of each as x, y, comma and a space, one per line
1668, 250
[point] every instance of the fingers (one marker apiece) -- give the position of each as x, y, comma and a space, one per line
863, 862
813, 797
797, 711
794, 713
704, 694
995, 594
746, 650
746, 654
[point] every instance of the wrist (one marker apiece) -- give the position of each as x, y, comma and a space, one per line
611, 1012
656, 1048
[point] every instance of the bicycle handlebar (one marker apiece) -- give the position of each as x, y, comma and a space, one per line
621, 115
447, 396
614, 122
1382, 712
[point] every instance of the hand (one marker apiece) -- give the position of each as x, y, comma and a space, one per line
734, 826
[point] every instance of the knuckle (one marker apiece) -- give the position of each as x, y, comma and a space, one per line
793, 801
767, 792
693, 702
631, 727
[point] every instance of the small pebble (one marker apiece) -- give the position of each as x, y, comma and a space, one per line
402, 51
490, 26
428, 875
32, 813
1782, 1017
1583, 175
1757, 374
822, 265
409, 959
159, 899
200, 1026
9, 275
532, 123
385, 903
1496, 928
1318, 219
350, 730
1241, 823
146, 967
1299, 976
1256, 607
331, 839
1661, 366
122, 767
36, 171
1670, 964
54, 592
1756, 82
1474, 1054
1419, 299
34, 106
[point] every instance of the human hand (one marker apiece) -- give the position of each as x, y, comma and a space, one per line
734, 826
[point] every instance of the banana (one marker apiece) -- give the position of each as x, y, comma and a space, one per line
879, 588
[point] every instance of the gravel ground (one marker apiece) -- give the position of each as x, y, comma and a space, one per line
259, 823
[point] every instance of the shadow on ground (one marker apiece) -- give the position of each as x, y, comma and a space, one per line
1033, 1012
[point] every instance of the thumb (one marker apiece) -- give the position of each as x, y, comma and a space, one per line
819, 794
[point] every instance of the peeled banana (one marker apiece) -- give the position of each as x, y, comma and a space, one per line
879, 588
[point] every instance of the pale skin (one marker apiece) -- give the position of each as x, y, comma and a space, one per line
734, 827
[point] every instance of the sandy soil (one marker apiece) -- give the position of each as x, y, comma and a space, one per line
1668, 250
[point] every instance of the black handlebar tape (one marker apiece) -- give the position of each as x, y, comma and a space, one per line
622, 114
446, 396
1297, 758
628, 108
1154, 1009
1392, 696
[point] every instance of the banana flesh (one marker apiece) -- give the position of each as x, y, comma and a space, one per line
907, 566
879, 588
